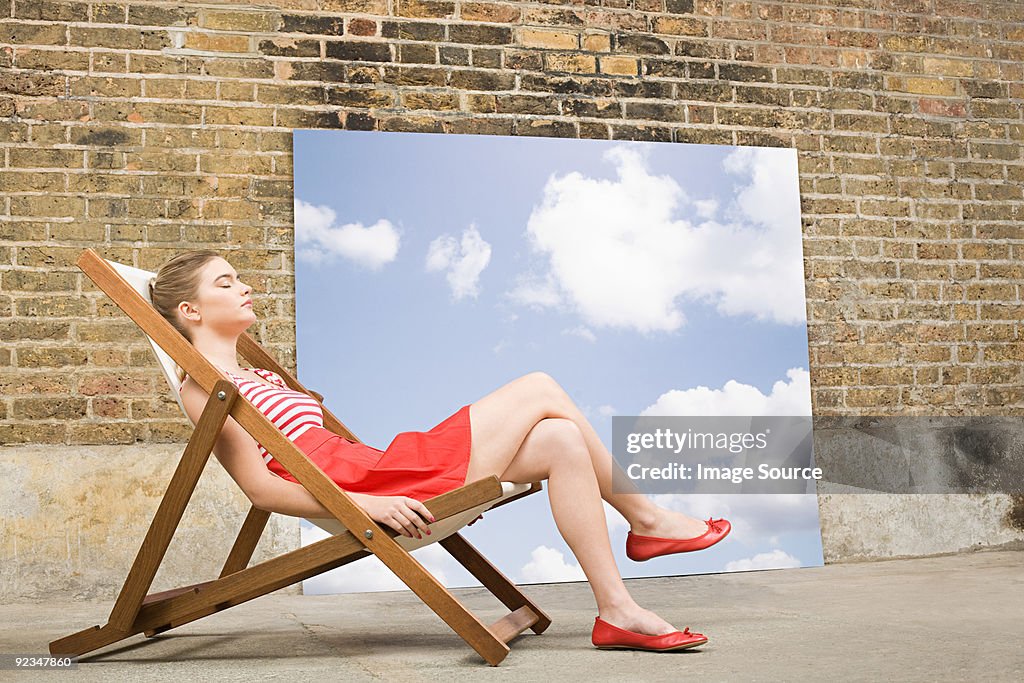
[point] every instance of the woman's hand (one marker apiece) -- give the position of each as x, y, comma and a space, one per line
404, 515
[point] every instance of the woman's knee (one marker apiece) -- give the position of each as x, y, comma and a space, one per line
543, 384
563, 439
552, 444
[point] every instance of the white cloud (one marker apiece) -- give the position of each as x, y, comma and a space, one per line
535, 291
463, 260
549, 565
734, 398
582, 332
766, 234
706, 208
594, 413
318, 239
611, 246
770, 196
776, 559
620, 254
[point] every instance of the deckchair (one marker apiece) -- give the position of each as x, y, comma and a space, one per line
354, 534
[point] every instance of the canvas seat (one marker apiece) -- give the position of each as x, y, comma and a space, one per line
354, 534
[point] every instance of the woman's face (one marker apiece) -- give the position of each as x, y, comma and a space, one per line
223, 302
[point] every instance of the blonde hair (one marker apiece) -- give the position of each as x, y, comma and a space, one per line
177, 281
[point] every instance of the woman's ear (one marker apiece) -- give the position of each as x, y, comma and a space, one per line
188, 311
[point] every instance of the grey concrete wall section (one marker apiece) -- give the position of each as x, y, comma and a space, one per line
857, 526
922, 454
74, 530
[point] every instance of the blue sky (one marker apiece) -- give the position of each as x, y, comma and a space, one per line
647, 278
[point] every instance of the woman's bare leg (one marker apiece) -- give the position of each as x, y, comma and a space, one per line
501, 420
554, 449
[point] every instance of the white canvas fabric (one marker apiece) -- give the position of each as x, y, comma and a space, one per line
139, 280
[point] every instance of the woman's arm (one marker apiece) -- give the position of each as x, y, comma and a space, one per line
404, 515
288, 498
234, 448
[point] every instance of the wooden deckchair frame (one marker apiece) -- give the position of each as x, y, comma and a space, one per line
135, 611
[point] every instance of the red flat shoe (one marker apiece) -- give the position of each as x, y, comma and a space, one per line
609, 637
640, 548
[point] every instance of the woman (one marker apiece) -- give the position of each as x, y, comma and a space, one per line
527, 430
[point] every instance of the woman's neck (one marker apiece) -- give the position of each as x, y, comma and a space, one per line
221, 352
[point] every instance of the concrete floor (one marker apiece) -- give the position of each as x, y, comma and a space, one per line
948, 618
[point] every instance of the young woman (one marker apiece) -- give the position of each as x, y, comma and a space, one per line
527, 430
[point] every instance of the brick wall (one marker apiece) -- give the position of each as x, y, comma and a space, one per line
143, 128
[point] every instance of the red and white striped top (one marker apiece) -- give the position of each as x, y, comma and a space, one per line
293, 412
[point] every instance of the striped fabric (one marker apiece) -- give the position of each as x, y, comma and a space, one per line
293, 412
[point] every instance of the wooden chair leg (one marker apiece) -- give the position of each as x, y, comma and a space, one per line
248, 539
477, 635
172, 507
497, 583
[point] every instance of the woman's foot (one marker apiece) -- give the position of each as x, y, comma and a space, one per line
671, 524
673, 532
606, 636
637, 619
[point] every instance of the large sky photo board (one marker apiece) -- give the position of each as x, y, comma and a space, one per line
646, 278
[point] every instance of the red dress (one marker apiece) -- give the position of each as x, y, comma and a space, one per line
419, 465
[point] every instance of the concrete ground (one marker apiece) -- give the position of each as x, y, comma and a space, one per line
946, 618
